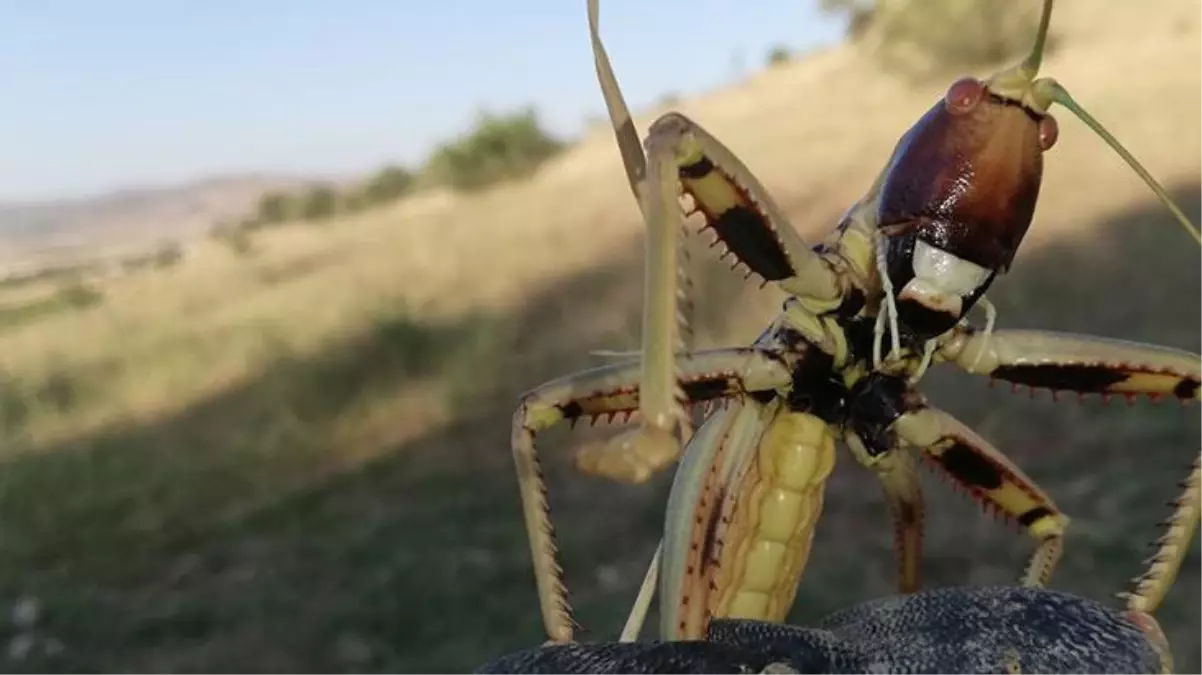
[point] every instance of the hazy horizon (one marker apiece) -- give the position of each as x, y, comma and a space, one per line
134, 94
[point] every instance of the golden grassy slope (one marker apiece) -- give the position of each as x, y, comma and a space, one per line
188, 427
816, 131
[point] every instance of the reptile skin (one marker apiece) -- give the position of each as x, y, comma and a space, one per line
988, 629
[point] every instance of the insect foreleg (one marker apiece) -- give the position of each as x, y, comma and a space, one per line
763, 239
1079, 363
680, 153
609, 391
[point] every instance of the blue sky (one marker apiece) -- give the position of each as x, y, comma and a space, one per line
121, 93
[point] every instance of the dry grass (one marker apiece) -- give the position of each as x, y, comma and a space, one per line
289, 460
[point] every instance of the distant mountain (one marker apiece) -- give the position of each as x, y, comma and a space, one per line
133, 217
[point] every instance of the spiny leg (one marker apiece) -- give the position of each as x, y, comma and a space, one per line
662, 329
898, 474
764, 240
680, 153
1079, 363
991, 479
611, 390
1150, 587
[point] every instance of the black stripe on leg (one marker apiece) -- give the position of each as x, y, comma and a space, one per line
747, 234
970, 468
571, 410
698, 169
1086, 379
1034, 515
742, 227
1186, 389
707, 389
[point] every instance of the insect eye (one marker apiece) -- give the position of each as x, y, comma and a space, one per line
1049, 131
964, 95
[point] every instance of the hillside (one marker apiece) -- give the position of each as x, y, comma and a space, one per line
32, 233
297, 455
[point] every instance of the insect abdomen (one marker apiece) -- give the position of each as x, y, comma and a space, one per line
769, 532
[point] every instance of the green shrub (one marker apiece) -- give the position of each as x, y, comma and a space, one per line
79, 295
389, 184
319, 203
274, 208
237, 237
778, 55
499, 147
168, 255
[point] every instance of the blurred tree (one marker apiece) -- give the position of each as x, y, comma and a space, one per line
499, 147
858, 12
389, 184
274, 207
168, 255
319, 203
778, 55
933, 37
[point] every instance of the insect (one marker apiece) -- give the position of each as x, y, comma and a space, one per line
902, 269
994, 629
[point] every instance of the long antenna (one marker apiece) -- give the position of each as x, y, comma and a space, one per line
1057, 93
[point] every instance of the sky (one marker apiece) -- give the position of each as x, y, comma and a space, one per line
108, 95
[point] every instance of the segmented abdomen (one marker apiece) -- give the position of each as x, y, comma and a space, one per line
763, 539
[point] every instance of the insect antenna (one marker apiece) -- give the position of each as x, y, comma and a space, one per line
1057, 93
1042, 93
666, 302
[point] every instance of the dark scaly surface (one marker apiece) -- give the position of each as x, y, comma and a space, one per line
950, 630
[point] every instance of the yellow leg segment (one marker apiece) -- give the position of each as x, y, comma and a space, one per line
1079, 363
898, 473
991, 479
